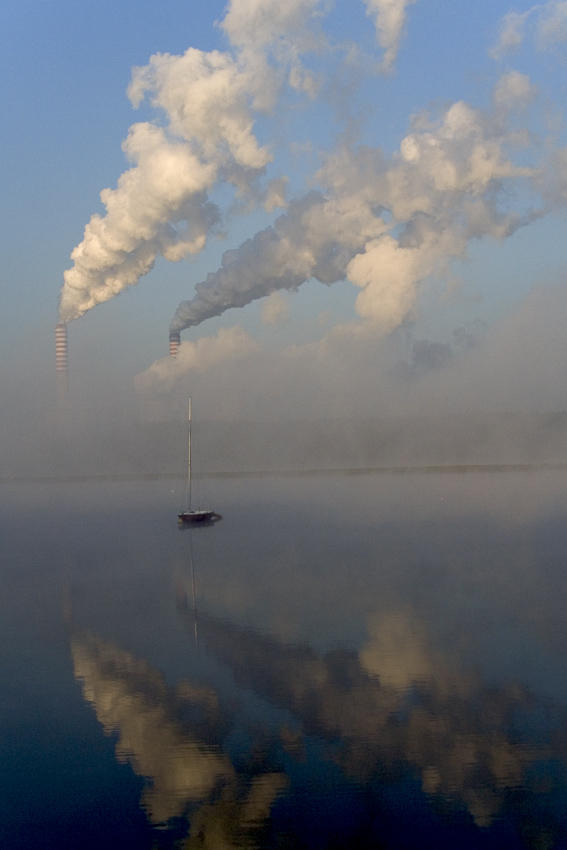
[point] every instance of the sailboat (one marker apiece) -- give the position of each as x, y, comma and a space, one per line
190, 515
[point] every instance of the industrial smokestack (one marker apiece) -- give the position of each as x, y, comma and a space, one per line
174, 343
61, 347
61, 365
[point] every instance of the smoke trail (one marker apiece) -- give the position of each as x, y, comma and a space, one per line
384, 223
303, 243
160, 206
208, 101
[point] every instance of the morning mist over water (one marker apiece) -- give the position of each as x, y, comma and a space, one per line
490, 396
367, 660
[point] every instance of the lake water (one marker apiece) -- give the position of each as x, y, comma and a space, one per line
342, 661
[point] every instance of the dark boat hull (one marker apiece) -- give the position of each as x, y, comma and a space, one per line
195, 516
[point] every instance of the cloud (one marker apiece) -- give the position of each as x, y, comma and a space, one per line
389, 18
512, 33
552, 25
264, 25
549, 27
514, 91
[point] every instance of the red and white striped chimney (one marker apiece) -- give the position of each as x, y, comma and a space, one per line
61, 347
174, 343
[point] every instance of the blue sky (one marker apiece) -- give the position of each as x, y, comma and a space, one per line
66, 68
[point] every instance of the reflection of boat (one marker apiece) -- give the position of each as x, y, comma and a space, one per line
188, 515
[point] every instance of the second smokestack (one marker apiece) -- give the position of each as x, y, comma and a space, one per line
174, 343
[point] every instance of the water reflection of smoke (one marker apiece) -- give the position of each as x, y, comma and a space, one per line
396, 706
132, 700
172, 738
395, 709
230, 822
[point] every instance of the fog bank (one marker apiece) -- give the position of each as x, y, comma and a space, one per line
130, 448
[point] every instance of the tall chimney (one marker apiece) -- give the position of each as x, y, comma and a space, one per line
174, 343
61, 347
61, 365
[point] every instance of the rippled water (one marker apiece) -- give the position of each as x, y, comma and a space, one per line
341, 662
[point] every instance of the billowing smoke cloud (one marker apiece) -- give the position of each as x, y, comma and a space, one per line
207, 101
317, 237
386, 223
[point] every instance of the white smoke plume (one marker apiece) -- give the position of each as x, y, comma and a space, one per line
385, 223
208, 102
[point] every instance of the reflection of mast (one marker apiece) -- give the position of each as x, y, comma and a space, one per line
193, 588
183, 580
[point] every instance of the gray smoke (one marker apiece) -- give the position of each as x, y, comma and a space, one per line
297, 248
388, 222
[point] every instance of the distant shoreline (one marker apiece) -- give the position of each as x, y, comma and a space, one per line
292, 473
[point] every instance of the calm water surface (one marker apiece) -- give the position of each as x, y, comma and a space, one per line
341, 662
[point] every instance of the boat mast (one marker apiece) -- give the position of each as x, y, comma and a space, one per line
189, 456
